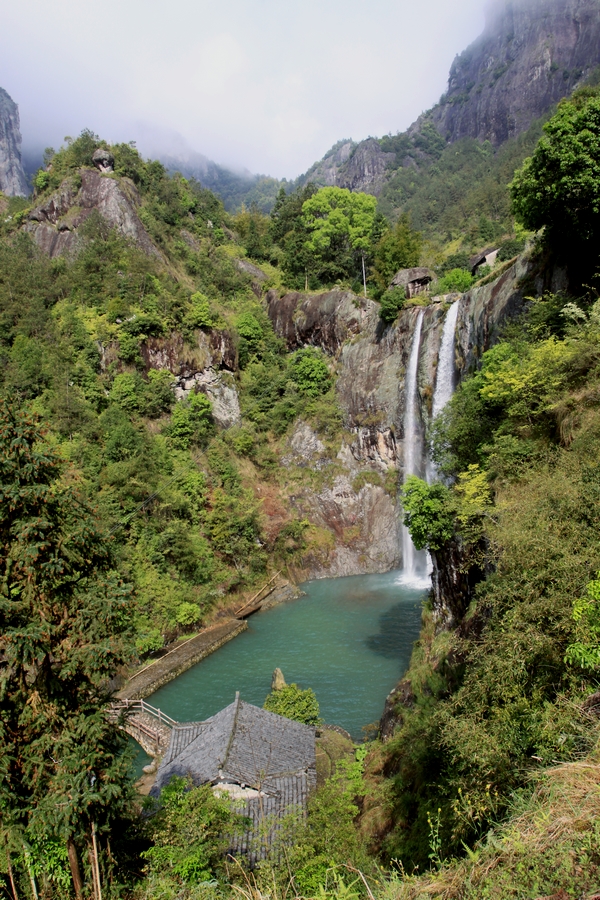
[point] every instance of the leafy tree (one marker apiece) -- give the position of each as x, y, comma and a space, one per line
287, 212
559, 186
64, 630
455, 281
390, 303
191, 422
189, 834
428, 513
398, 248
337, 219
294, 703
310, 372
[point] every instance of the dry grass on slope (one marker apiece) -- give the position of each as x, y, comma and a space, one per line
549, 849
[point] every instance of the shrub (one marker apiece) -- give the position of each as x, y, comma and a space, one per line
294, 703
510, 248
189, 833
427, 513
391, 303
200, 314
191, 422
310, 372
456, 280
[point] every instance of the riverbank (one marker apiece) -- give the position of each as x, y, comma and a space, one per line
161, 671
178, 660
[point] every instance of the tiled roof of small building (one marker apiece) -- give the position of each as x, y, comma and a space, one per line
250, 747
242, 744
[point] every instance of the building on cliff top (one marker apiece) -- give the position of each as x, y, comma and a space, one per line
414, 281
264, 762
484, 258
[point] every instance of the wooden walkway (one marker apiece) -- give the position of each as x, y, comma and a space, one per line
146, 724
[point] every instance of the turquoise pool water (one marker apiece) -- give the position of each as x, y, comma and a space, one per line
349, 639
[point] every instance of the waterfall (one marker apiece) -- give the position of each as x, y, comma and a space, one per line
446, 367
446, 372
415, 566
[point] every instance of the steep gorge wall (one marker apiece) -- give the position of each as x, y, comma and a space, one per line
370, 362
530, 55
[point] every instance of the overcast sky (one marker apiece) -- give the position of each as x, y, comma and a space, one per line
265, 84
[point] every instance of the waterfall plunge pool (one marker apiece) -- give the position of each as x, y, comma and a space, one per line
349, 639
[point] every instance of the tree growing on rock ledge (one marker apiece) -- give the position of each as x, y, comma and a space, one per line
64, 630
294, 703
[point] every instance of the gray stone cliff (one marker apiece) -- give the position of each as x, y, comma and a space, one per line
12, 177
358, 167
54, 224
530, 55
355, 504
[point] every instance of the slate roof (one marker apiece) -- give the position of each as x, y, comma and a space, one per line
242, 744
480, 258
248, 746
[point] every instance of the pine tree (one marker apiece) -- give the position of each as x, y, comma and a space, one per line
64, 631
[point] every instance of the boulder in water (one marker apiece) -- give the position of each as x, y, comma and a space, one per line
278, 681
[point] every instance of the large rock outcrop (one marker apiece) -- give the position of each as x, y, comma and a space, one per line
12, 176
358, 167
55, 223
206, 366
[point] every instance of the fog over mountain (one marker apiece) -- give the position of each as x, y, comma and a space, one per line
256, 85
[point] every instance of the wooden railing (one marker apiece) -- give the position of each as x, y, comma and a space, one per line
140, 706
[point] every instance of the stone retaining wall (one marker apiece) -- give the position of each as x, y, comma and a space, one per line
180, 660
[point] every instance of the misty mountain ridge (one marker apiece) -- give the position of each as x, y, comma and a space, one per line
530, 55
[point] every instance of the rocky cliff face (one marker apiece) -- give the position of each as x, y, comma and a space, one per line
12, 177
356, 506
358, 167
531, 54
55, 224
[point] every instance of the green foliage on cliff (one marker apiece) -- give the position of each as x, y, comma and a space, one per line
504, 696
459, 192
558, 187
427, 513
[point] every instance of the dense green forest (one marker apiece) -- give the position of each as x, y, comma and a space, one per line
129, 517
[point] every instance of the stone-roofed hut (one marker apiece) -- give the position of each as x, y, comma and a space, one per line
414, 281
486, 257
265, 762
